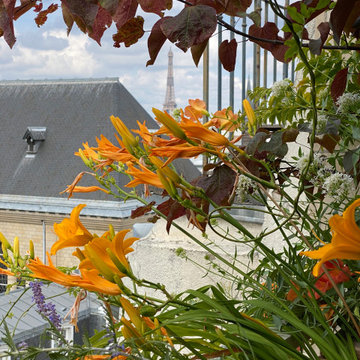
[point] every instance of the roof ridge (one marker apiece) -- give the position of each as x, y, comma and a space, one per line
60, 81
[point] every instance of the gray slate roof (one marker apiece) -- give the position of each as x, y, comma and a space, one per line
73, 112
24, 319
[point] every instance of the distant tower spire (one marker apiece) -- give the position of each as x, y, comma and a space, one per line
170, 104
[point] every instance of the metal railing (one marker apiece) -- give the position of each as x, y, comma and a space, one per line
254, 67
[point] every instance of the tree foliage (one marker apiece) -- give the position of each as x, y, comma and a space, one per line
192, 27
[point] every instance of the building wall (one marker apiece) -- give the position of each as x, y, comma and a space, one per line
29, 226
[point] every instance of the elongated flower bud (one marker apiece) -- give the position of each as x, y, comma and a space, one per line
4, 252
5, 242
250, 116
111, 231
16, 247
168, 184
171, 124
31, 250
86, 161
170, 173
128, 138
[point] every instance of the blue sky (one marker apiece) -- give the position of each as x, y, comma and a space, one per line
48, 53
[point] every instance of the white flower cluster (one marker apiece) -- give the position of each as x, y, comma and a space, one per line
279, 87
348, 103
321, 123
318, 170
244, 185
339, 186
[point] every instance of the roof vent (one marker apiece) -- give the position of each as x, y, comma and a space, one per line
34, 136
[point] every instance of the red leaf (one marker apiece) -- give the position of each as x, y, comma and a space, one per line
67, 16
155, 41
340, 15
42, 16
110, 6
328, 141
82, 12
197, 51
219, 187
316, 46
6, 21
25, 6
289, 135
227, 54
172, 210
156, 7
192, 26
142, 210
102, 22
129, 33
125, 11
338, 85
234, 7
270, 32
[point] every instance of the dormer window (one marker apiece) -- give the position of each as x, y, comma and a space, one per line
34, 136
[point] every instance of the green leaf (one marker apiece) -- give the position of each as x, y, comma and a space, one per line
292, 11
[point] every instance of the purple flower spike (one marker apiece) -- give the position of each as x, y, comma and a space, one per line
47, 310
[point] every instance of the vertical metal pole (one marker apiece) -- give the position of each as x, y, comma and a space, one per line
285, 65
256, 55
275, 62
266, 17
243, 61
44, 241
219, 92
231, 85
293, 71
206, 86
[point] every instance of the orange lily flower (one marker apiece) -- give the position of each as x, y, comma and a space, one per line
143, 176
82, 189
71, 232
196, 109
224, 120
345, 242
89, 152
89, 280
97, 254
144, 133
112, 152
185, 151
199, 132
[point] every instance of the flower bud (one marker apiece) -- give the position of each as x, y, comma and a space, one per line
250, 116
31, 250
171, 124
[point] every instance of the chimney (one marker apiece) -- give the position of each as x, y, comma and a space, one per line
34, 136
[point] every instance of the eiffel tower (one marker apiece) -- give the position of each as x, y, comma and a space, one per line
170, 104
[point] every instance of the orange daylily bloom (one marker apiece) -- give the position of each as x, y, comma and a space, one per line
83, 189
71, 232
345, 242
89, 280
184, 151
89, 152
107, 357
199, 132
225, 120
112, 152
136, 327
143, 176
97, 255
144, 133
196, 109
